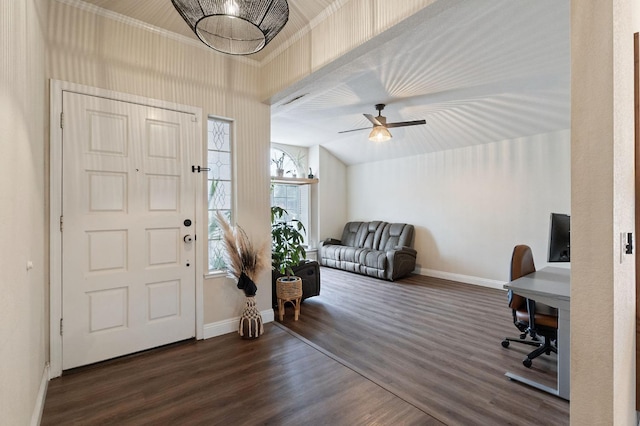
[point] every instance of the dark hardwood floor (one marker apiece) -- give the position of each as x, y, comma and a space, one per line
419, 351
434, 343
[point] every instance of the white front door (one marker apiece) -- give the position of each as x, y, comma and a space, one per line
128, 207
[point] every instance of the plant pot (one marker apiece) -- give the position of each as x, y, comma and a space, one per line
279, 172
289, 289
251, 326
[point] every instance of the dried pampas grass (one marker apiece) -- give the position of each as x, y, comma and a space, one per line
240, 254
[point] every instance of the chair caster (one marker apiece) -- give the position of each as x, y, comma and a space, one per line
526, 362
505, 343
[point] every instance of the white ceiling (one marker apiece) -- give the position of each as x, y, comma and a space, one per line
477, 72
162, 14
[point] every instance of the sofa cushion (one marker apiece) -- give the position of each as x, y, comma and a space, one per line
396, 234
372, 235
332, 252
348, 254
372, 258
352, 233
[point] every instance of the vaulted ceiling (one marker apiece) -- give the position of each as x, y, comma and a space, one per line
162, 14
477, 72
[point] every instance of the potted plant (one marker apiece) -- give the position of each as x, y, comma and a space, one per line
244, 262
287, 251
279, 162
299, 164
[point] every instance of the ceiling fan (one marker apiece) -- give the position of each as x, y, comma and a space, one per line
380, 132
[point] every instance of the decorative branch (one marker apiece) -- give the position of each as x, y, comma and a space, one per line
240, 255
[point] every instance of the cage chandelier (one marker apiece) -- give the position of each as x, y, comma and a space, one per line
236, 27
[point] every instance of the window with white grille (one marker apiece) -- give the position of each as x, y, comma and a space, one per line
219, 186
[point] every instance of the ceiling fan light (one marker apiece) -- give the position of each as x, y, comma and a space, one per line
232, 26
379, 134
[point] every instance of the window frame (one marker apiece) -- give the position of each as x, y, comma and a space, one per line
304, 196
209, 212
291, 165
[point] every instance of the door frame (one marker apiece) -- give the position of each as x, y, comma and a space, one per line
56, 90
636, 115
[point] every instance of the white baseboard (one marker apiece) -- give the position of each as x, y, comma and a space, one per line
36, 416
467, 279
268, 316
231, 325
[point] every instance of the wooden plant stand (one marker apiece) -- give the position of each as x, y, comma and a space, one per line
289, 289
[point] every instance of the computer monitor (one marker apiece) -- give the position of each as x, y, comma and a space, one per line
559, 238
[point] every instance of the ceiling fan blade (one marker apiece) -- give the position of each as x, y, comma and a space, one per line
373, 119
355, 130
406, 123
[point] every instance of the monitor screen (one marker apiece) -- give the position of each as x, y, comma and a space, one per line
559, 238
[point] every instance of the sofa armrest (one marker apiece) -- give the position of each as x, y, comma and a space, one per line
405, 249
330, 242
401, 261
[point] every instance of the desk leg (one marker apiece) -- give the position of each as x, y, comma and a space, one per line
564, 353
564, 360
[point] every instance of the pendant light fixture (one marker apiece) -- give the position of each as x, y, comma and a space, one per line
379, 134
236, 27
380, 131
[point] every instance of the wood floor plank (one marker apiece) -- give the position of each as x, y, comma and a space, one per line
419, 351
276, 379
435, 343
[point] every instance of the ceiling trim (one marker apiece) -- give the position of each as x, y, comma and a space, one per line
91, 8
326, 13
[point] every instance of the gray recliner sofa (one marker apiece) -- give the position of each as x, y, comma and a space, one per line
378, 249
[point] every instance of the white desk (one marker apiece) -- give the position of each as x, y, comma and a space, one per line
551, 286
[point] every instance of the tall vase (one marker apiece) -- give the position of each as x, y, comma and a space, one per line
251, 326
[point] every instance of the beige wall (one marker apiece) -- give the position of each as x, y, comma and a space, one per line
332, 195
92, 50
602, 202
470, 206
23, 292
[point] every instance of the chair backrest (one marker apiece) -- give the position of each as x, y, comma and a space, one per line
521, 265
522, 262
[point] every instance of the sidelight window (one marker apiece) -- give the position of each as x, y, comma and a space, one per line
219, 186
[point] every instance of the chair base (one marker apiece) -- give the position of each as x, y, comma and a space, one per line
507, 340
545, 348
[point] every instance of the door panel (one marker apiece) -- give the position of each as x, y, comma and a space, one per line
128, 277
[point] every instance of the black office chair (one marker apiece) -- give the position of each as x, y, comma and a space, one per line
530, 318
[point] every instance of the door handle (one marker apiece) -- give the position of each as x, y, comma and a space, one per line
188, 238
